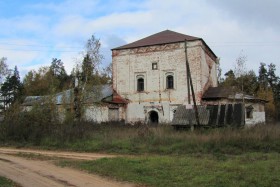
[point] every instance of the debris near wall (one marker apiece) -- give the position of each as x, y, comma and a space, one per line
211, 116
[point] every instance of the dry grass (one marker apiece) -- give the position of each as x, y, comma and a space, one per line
163, 139
166, 140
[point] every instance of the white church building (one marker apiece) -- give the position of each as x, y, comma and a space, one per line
151, 74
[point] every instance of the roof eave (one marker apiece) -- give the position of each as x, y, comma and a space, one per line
208, 47
200, 39
179, 41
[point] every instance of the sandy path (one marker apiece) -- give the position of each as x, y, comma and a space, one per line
61, 154
34, 173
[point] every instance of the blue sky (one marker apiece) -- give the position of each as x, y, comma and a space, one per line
33, 32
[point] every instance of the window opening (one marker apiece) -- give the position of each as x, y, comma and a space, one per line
249, 112
140, 84
169, 82
154, 66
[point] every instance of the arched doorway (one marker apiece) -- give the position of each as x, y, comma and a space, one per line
153, 117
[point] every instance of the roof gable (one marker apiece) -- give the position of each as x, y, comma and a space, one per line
163, 37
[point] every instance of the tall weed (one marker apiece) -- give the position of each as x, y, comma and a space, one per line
38, 127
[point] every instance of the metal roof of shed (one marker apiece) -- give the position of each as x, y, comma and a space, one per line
93, 95
214, 93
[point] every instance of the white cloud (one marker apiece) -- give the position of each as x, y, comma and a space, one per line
67, 7
227, 26
255, 13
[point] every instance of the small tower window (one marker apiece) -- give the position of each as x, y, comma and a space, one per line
169, 82
140, 84
154, 66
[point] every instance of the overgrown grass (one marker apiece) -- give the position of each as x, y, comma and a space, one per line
165, 140
251, 169
41, 128
205, 157
124, 139
4, 182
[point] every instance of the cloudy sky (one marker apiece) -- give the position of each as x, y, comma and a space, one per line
32, 32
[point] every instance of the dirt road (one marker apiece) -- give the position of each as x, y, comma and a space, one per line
60, 154
34, 173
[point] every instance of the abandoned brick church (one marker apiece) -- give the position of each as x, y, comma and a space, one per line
150, 81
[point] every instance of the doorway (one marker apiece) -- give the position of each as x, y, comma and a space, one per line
153, 118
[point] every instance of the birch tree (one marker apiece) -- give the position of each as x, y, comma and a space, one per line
3, 68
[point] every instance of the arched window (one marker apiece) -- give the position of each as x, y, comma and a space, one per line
140, 84
169, 82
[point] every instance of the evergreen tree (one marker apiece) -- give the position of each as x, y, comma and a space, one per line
11, 89
230, 80
262, 78
269, 84
58, 75
274, 83
272, 79
250, 82
57, 69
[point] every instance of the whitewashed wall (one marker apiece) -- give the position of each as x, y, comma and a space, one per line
258, 115
130, 63
96, 113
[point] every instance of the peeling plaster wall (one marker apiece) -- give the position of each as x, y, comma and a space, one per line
128, 64
100, 113
96, 113
208, 72
258, 114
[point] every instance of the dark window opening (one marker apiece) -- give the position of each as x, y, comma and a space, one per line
154, 66
249, 114
169, 82
153, 117
140, 84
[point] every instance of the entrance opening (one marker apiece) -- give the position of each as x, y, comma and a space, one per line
153, 117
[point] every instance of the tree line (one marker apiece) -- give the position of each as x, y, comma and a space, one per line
52, 79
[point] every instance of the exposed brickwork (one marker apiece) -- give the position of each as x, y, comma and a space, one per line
129, 64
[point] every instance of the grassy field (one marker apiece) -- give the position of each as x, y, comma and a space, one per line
4, 182
167, 141
209, 157
162, 156
251, 169
247, 169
